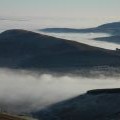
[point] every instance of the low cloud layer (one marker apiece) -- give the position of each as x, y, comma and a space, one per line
87, 38
24, 91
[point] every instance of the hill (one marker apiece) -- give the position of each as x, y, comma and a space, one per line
93, 105
28, 50
112, 39
110, 28
5, 116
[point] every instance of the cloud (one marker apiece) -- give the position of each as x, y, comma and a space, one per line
25, 91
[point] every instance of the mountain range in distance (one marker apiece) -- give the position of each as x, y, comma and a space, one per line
23, 49
111, 39
110, 28
113, 29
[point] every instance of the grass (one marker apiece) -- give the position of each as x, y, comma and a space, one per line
5, 116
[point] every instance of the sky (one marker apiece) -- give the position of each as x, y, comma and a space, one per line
61, 8
35, 14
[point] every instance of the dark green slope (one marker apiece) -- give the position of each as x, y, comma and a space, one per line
29, 50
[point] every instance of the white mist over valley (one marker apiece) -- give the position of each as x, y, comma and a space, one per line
26, 91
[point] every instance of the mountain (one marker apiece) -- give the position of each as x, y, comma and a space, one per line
110, 28
93, 105
114, 25
28, 50
112, 39
66, 30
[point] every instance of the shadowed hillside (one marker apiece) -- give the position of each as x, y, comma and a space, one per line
94, 105
112, 39
29, 50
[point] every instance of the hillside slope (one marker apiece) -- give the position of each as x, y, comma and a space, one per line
94, 105
112, 39
28, 50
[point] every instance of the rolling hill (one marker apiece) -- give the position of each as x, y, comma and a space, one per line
93, 105
110, 28
112, 39
28, 50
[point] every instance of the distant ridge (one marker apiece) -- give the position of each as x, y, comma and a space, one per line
110, 28
111, 39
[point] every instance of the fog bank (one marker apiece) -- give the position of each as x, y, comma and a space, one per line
87, 38
24, 91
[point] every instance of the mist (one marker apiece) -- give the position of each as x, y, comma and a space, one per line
36, 23
87, 38
26, 91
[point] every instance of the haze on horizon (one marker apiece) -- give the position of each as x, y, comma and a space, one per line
99, 10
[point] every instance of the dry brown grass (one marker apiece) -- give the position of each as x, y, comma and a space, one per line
4, 116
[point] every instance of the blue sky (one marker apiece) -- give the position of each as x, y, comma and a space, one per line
61, 8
